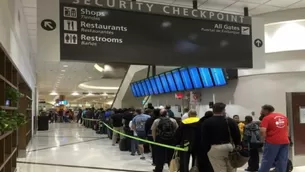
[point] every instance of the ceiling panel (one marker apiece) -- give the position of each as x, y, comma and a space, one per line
167, 2
239, 7
218, 4
186, 3
299, 4
281, 3
255, 1
263, 9
29, 3
31, 19
30, 11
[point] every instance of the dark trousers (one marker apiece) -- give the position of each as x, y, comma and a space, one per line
163, 155
150, 138
204, 164
185, 161
253, 163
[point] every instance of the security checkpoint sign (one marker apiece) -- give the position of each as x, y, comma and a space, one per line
144, 33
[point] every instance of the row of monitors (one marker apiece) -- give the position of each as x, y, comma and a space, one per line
186, 78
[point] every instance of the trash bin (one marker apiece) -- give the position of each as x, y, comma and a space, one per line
43, 123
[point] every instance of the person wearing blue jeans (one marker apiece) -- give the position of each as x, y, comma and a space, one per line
275, 155
274, 128
134, 147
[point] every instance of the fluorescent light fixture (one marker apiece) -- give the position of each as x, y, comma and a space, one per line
63, 70
53, 93
75, 94
109, 103
108, 68
65, 66
98, 87
98, 68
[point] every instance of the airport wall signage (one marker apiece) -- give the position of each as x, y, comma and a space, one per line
143, 33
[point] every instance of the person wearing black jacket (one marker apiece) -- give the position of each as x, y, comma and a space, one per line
117, 123
127, 117
186, 135
217, 132
204, 164
148, 124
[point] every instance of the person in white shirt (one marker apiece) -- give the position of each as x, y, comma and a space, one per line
134, 143
186, 114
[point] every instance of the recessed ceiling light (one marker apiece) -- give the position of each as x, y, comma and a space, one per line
53, 93
98, 87
90, 77
75, 94
99, 68
66, 66
63, 70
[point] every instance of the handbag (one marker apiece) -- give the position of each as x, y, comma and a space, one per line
195, 167
236, 158
175, 163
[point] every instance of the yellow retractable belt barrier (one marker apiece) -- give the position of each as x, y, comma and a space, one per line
142, 140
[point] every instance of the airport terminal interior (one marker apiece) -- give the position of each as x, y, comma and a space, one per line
91, 85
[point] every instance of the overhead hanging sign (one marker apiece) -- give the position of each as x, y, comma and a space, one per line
139, 6
120, 31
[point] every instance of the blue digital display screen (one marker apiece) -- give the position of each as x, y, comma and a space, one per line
154, 85
137, 89
186, 79
144, 88
218, 76
195, 77
159, 84
149, 87
164, 83
178, 80
134, 92
206, 77
140, 88
171, 81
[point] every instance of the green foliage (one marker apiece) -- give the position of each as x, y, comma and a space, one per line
12, 94
12, 121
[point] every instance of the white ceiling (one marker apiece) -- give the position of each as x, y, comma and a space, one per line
48, 72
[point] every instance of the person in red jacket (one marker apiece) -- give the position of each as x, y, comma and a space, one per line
274, 129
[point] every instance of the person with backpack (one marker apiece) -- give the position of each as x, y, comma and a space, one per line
138, 125
252, 140
186, 134
163, 131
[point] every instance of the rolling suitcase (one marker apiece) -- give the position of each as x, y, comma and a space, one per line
123, 145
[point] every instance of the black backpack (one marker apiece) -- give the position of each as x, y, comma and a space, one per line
166, 129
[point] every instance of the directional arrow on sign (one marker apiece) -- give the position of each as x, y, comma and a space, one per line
48, 24
258, 43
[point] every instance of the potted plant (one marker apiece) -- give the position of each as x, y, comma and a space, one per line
10, 122
12, 95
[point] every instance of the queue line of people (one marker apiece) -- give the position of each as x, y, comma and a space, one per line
210, 139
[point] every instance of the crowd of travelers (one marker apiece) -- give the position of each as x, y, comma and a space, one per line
209, 139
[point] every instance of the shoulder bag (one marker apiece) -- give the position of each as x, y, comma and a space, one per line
175, 162
236, 159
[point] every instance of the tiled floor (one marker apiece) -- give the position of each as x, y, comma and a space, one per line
73, 148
